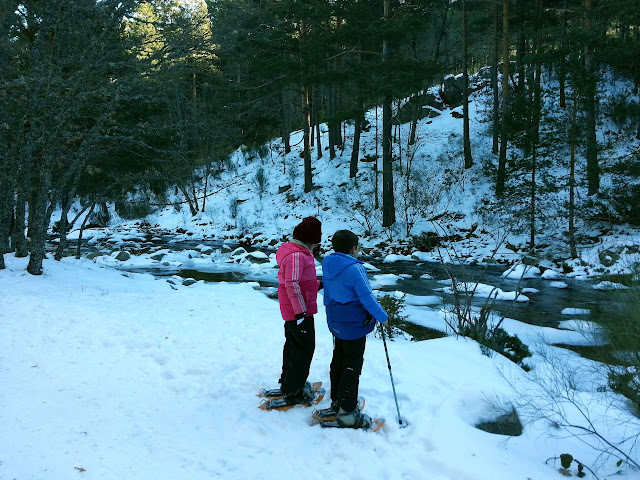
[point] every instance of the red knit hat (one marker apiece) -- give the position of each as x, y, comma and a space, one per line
308, 231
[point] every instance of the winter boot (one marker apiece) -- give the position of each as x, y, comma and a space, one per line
331, 413
355, 419
303, 396
325, 414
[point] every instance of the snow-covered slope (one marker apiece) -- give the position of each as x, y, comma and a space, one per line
118, 376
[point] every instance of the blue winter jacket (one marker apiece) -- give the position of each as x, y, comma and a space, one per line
348, 298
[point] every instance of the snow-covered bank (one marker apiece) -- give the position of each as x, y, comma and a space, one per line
260, 197
108, 375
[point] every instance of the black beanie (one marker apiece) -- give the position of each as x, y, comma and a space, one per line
308, 231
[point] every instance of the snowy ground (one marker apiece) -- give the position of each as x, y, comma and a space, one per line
119, 376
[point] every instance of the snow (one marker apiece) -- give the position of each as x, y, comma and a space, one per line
522, 271
112, 375
385, 280
480, 290
392, 258
609, 286
575, 311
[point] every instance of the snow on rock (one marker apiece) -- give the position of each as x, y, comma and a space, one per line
522, 271
483, 291
575, 311
371, 268
608, 286
589, 329
394, 257
550, 274
258, 257
425, 256
386, 279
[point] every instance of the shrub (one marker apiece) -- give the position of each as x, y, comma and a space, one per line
499, 340
426, 241
394, 307
624, 336
261, 181
133, 209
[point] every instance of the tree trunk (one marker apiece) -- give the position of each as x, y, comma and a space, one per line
37, 218
355, 153
536, 114
417, 106
312, 116
331, 123
84, 222
494, 79
205, 188
306, 114
572, 181
532, 212
562, 82
308, 176
502, 159
191, 202
19, 239
316, 122
67, 201
337, 124
388, 199
6, 215
285, 117
522, 51
593, 167
468, 159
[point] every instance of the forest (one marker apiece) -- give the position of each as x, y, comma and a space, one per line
102, 99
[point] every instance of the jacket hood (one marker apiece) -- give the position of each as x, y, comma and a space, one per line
335, 263
288, 248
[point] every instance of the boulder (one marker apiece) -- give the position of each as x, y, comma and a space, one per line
257, 257
507, 424
123, 256
428, 104
451, 90
239, 252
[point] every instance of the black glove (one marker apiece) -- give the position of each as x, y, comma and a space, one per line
320, 286
367, 320
300, 316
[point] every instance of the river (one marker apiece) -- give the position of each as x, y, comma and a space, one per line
424, 279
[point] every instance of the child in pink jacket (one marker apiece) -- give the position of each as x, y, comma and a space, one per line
297, 294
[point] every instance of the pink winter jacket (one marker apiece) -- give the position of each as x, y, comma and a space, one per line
297, 281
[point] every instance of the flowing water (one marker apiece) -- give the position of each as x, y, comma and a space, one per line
544, 308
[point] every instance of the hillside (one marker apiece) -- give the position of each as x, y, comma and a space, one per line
260, 197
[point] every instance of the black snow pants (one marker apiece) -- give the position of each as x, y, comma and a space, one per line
346, 366
299, 345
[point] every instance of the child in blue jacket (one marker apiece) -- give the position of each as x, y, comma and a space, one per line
352, 312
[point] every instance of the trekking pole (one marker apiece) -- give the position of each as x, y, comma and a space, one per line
384, 341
